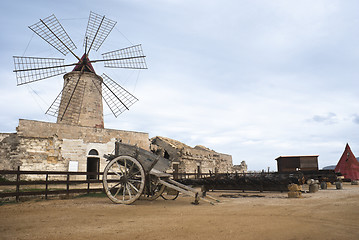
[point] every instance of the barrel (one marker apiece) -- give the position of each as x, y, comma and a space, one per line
339, 185
313, 188
323, 185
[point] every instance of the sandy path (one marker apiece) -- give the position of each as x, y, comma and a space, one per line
328, 214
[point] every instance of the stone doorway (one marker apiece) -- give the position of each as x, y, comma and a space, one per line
93, 164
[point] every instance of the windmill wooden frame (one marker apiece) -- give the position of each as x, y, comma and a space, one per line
32, 69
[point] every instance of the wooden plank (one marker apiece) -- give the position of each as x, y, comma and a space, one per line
53, 182
34, 193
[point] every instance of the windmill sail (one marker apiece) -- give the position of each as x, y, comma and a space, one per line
98, 28
130, 57
53, 110
52, 32
31, 69
116, 97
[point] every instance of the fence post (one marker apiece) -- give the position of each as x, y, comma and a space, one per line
46, 188
88, 186
18, 184
67, 184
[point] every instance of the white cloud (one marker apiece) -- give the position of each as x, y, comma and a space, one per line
255, 79
330, 118
356, 118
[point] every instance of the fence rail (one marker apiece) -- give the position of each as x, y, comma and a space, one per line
210, 174
79, 188
46, 183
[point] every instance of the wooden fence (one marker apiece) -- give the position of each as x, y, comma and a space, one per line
44, 189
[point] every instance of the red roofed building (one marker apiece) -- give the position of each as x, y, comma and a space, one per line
348, 165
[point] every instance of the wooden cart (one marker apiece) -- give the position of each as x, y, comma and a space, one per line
133, 172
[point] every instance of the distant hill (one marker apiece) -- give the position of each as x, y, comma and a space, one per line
331, 167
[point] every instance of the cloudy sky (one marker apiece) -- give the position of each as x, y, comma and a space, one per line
255, 79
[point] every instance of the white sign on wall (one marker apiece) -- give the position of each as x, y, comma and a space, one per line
73, 166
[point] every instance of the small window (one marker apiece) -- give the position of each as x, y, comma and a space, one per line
93, 152
166, 155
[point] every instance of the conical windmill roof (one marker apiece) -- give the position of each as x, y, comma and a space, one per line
84, 62
348, 165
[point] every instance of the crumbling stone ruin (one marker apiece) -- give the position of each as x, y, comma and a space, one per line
194, 160
9, 151
241, 167
45, 146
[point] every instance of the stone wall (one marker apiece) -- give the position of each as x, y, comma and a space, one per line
9, 151
50, 146
37, 129
190, 160
241, 167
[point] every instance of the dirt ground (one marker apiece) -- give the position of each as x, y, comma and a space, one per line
327, 214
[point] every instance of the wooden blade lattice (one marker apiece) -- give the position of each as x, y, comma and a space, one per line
52, 32
31, 69
98, 28
116, 97
55, 106
131, 57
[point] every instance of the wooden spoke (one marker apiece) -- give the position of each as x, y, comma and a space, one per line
129, 191
124, 194
134, 175
134, 180
115, 186
117, 191
125, 167
116, 173
131, 168
133, 187
120, 167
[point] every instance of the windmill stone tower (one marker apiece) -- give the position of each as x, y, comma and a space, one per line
85, 108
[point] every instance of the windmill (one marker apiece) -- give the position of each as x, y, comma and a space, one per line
80, 100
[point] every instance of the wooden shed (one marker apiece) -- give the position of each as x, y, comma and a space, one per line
296, 163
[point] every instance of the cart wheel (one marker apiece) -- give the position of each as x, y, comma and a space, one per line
170, 194
124, 180
153, 189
